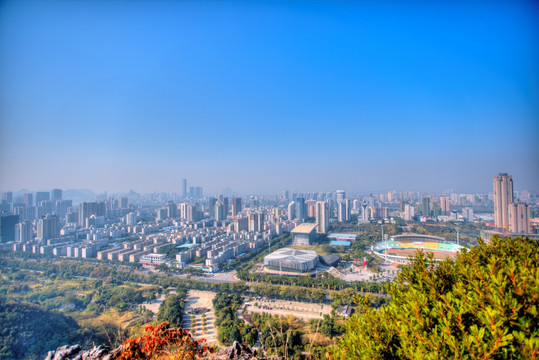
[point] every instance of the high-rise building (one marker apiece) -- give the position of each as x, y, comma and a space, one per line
7, 227
7, 196
444, 205
211, 207
519, 218
219, 211
364, 212
256, 222
42, 196
24, 232
48, 227
87, 209
236, 206
29, 199
123, 203
171, 209
184, 188
56, 195
409, 212
503, 196
292, 211
322, 216
341, 195
425, 206
300, 209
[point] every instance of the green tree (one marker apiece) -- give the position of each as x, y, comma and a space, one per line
171, 310
483, 305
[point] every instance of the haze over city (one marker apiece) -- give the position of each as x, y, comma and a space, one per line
262, 97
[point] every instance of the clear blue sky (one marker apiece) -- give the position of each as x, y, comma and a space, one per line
266, 96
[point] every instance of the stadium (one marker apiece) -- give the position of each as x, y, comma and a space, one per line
400, 248
291, 260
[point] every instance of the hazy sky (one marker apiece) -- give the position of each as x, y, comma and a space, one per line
266, 96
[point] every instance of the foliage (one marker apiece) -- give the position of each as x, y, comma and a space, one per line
482, 305
163, 342
230, 328
171, 309
279, 335
28, 331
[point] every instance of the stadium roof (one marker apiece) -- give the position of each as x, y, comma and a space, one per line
292, 254
304, 228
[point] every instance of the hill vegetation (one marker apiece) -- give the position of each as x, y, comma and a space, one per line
483, 305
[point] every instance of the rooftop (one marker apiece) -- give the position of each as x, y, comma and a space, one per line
304, 228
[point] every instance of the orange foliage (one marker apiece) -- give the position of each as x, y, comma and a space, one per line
163, 342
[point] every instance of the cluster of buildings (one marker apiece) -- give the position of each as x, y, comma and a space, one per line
132, 226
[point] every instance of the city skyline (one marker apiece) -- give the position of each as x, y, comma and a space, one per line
263, 97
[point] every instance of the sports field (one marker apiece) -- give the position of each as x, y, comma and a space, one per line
439, 255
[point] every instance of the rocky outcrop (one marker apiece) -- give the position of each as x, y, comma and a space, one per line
237, 351
75, 352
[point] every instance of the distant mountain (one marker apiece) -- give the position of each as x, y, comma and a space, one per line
79, 195
228, 192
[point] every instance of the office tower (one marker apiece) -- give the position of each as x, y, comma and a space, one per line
225, 204
286, 195
48, 228
236, 206
467, 213
161, 214
292, 211
409, 212
444, 205
300, 209
341, 209
503, 196
7, 227
184, 188
123, 203
171, 209
211, 207
322, 216
341, 195
62, 207
256, 222
220, 211
310, 206
24, 232
389, 196
87, 209
355, 205
131, 218
56, 194
364, 212
425, 206
519, 218
42, 196
28, 199
7, 196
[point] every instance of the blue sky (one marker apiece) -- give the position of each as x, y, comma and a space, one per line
267, 96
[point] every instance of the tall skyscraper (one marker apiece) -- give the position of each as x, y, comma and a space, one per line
300, 209
519, 218
42, 196
7, 227
425, 206
503, 196
48, 227
220, 211
7, 196
322, 216
236, 206
29, 199
24, 232
211, 207
292, 211
341, 195
184, 188
56, 194
444, 205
